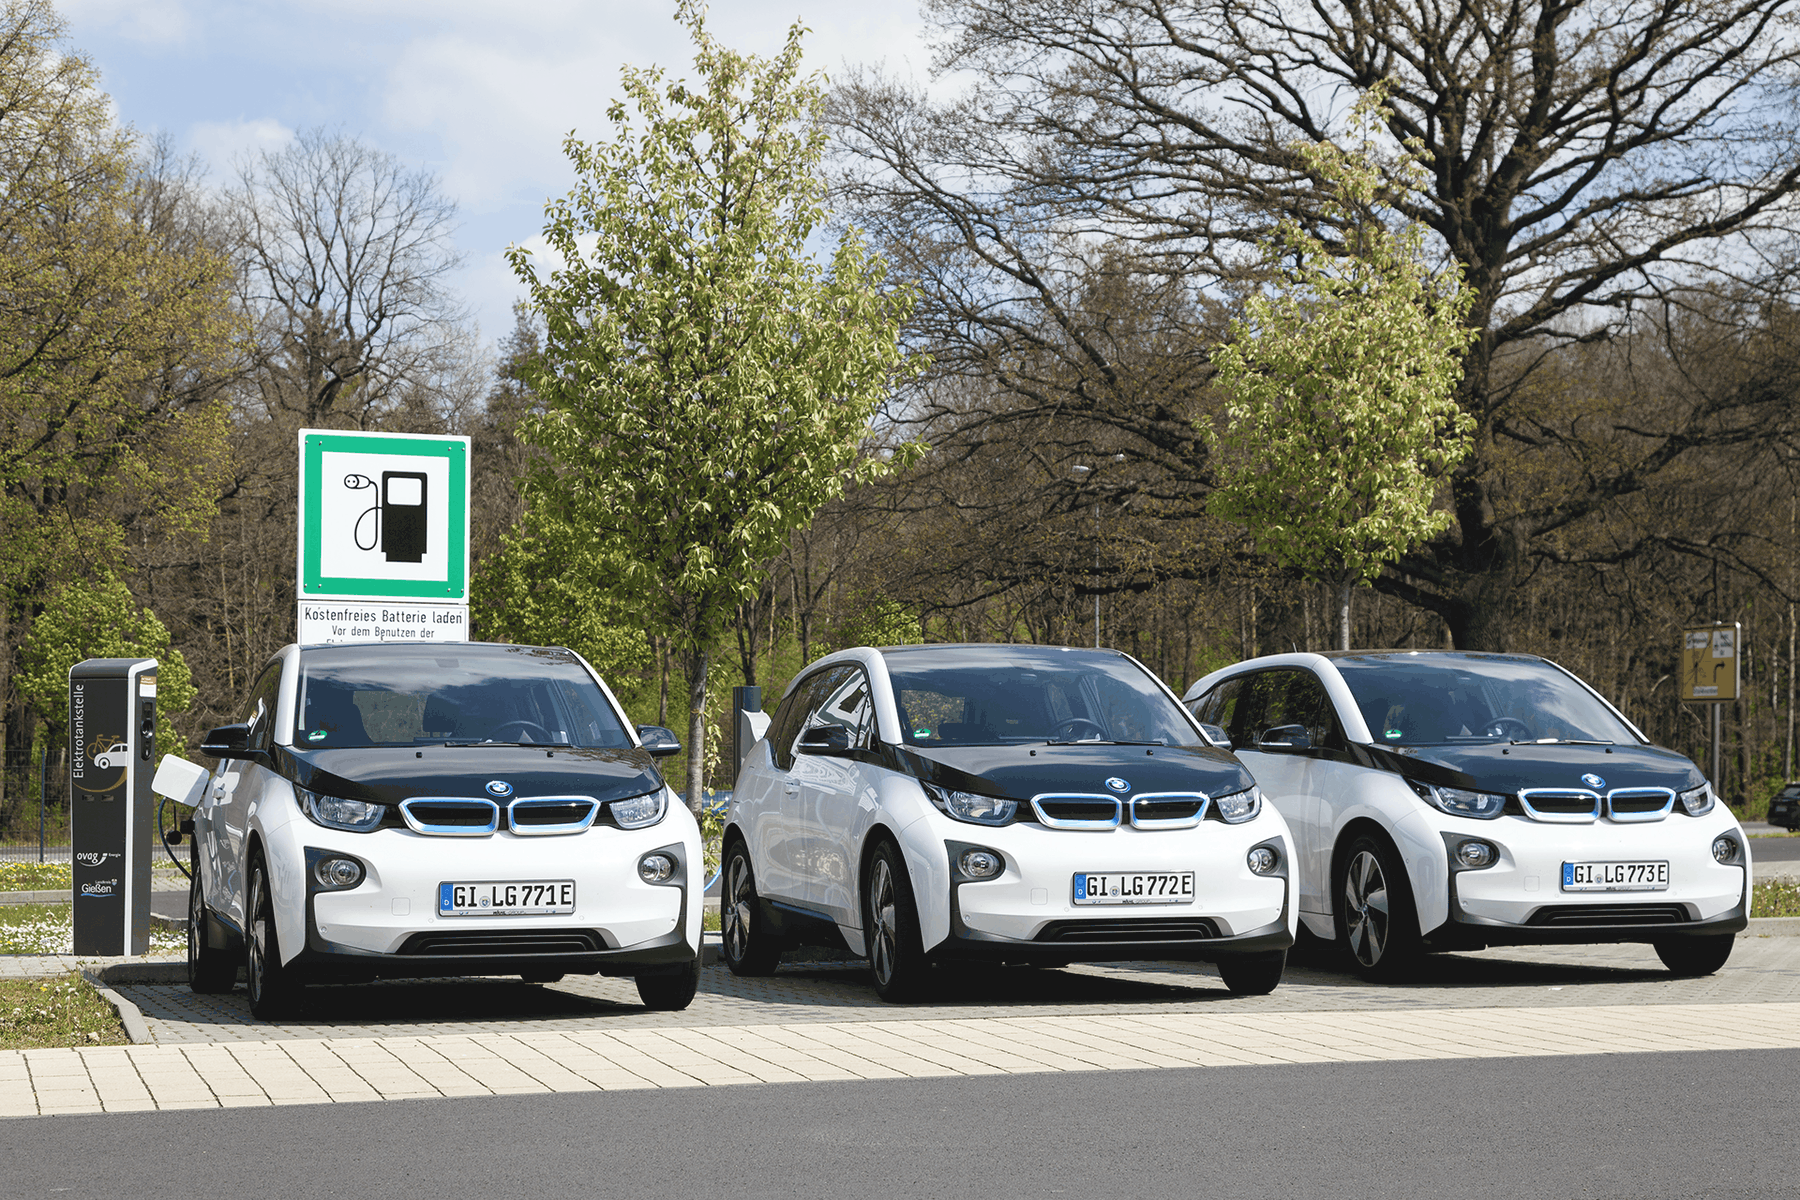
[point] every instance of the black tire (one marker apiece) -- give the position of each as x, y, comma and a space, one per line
891, 927
1696, 955
749, 947
670, 993
1376, 920
1253, 974
542, 976
210, 972
274, 990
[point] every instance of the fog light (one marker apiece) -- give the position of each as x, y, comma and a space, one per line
1476, 855
655, 868
979, 864
337, 874
1725, 848
1262, 860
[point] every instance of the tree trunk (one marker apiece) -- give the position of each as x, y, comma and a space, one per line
662, 693
1344, 612
699, 665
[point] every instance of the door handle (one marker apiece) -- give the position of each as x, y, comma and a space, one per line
790, 789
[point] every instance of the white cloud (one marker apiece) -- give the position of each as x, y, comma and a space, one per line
223, 143
150, 22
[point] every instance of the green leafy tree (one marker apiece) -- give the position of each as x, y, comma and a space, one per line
114, 315
531, 593
84, 619
1341, 417
707, 383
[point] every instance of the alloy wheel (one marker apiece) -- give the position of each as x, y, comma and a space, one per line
1366, 908
881, 912
737, 915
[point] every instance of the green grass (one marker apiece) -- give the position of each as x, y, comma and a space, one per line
1776, 898
50, 929
64, 1011
33, 877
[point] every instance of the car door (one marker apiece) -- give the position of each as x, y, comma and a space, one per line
1267, 725
834, 791
235, 791
780, 834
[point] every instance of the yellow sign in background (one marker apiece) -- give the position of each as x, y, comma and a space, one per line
1709, 663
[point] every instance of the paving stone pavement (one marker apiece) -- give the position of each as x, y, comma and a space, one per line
1762, 970
822, 1020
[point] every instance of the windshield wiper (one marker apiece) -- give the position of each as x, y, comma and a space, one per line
1560, 742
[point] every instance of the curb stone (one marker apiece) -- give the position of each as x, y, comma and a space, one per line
130, 1016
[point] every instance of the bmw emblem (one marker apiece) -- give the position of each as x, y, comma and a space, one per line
1118, 785
499, 788
1593, 781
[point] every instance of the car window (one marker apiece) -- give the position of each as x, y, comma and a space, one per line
1218, 706
998, 695
1423, 699
259, 711
806, 702
1257, 703
1305, 703
847, 705
452, 694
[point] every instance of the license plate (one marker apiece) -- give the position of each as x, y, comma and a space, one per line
1134, 887
1615, 877
508, 898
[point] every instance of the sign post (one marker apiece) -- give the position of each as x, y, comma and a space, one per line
112, 753
384, 538
1710, 675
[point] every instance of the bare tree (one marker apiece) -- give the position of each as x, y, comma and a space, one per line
1587, 157
346, 255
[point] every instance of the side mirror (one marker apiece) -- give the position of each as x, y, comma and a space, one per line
825, 739
658, 740
1216, 735
1284, 737
228, 741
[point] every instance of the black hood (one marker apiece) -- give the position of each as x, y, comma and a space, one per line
1020, 772
389, 774
1497, 767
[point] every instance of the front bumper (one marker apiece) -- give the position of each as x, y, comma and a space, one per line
1028, 913
389, 926
1520, 900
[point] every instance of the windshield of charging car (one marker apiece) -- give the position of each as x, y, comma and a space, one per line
1435, 699
455, 694
990, 696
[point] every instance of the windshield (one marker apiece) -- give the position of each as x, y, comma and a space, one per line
998, 695
453, 694
1429, 699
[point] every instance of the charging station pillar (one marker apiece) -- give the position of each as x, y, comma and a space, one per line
112, 757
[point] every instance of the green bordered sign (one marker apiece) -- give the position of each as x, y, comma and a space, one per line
383, 516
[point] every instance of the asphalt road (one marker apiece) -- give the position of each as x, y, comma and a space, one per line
1644, 1127
1765, 851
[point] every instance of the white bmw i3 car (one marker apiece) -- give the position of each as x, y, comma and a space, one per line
922, 805
1453, 801
455, 809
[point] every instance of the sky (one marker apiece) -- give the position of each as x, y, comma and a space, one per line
478, 92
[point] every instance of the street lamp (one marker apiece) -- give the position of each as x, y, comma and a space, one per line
1082, 472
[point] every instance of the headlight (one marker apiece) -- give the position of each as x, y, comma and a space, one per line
640, 811
1460, 802
972, 807
1238, 807
1698, 801
335, 812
